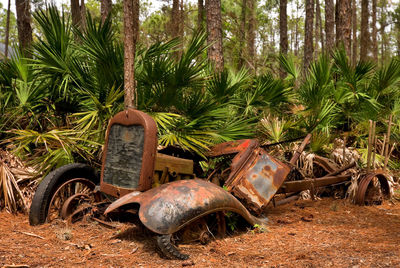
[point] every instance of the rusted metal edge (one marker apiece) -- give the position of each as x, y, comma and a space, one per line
298, 152
366, 180
325, 163
232, 147
297, 186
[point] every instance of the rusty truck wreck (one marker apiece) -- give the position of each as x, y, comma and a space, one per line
162, 190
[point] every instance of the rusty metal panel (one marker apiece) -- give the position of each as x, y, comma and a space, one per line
168, 208
258, 179
232, 147
124, 156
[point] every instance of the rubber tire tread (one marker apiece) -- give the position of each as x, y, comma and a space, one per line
169, 250
48, 186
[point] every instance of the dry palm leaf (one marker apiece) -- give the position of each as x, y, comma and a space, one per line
13, 173
11, 197
350, 154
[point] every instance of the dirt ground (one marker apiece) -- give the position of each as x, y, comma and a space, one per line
324, 233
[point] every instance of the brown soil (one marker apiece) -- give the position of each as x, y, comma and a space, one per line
326, 233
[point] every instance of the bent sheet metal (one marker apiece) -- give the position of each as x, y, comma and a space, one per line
258, 179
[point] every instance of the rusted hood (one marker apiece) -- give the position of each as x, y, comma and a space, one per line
168, 208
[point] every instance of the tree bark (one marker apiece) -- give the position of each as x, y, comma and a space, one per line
214, 30
347, 27
296, 29
251, 35
343, 26
283, 27
83, 14
308, 39
181, 20
337, 29
374, 32
329, 25
364, 44
354, 22
131, 14
24, 24
242, 35
136, 28
383, 23
7, 30
398, 42
76, 13
175, 18
200, 14
318, 26
106, 7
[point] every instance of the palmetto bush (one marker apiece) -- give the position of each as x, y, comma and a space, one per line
62, 98
57, 104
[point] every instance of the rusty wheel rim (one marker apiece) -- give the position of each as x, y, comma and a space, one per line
64, 192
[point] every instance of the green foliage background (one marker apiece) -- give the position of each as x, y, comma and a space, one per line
56, 105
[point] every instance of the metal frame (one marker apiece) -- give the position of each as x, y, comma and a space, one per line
128, 118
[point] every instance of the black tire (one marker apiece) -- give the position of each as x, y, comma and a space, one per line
48, 186
169, 250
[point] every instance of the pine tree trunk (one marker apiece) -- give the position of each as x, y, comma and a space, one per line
296, 36
283, 27
214, 30
242, 35
308, 39
251, 35
398, 42
136, 28
7, 30
383, 23
200, 14
131, 12
106, 7
337, 28
318, 25
76, 13
175, 18
347, 27
343, 26
316, 32
364, 42
296, 30
354, 22
374, 32
24, 24
83, 14
329, 25
181, 20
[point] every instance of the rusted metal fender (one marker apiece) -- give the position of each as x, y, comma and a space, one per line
170, 207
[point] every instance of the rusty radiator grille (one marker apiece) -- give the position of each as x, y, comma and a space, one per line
124, 156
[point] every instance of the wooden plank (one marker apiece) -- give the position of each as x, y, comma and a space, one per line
174, 164
387, 143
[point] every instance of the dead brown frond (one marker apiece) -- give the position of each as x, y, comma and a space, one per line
13, 174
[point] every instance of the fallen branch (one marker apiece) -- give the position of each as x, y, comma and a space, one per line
15, 266
30, 234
